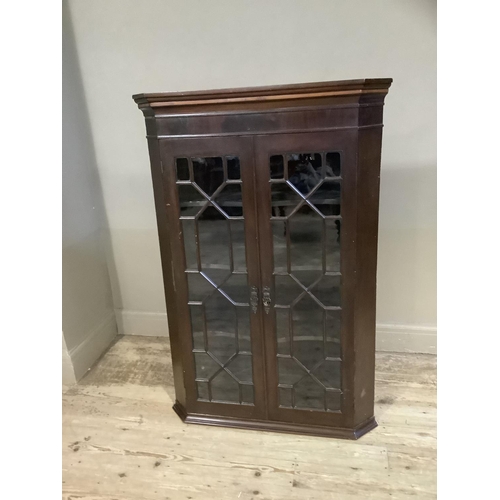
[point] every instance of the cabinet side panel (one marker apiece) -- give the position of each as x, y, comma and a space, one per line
166, 262
369, 149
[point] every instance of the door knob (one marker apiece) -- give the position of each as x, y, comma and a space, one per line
266, 298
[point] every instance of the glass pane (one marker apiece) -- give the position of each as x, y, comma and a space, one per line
327, 291
306, 223
208, 174
307, 317
247, 394
182, 169
277, 167
333, 400
221, 327
233, 167
285, 397
230, 201
327, 198
309, 395
189, 235
203, 390
283, 199
197, 323
306, 248
206, 367
225, 388
280, 247
214, 244
332, 245
241, 368
286, 290
328, 373
332, 164
238, 241
283, 330
244, 342
332, 333
304, 171
199, 288
191, 201
289, 372
236, 288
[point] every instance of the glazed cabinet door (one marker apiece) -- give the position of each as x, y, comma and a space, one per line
305, 186
209, 192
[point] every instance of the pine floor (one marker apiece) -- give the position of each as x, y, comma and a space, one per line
122, 440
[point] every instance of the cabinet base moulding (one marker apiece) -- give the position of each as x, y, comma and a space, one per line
290, 428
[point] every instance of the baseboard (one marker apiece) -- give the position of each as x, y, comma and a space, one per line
84, 355
406, 338
68, 374
392, 338
142, 323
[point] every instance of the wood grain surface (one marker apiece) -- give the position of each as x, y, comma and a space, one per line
123, 441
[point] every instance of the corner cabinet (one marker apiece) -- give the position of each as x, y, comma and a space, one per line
267, 209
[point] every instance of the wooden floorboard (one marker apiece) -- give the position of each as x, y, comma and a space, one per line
122, 440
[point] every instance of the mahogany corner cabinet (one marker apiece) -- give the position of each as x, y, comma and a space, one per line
267, 206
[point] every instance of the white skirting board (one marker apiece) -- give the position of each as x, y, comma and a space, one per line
406, 338
68, 374
141, 323
393, 338
85, 354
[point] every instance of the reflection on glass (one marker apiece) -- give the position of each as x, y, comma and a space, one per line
304, 171
244, 339
208, 174
284, 199
332, 165
326, 198
280, 247
221, 327
283, 330
238, 241
306, 225
214, 245
332, 243
241, 367
287, 290
306, 249
225, 388
309, 395
233, 168
203, 391
197, 324
333, 400
189, 234
307, 328
327, 291
332, 333
229, 200
211, 212
182, 169
285, 397
277, 167
236, 288
191, 201
247, 396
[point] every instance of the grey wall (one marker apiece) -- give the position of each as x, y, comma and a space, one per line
127, 47
88, 319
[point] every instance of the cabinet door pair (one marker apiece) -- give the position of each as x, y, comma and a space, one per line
260, 237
